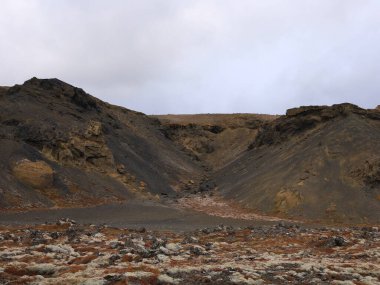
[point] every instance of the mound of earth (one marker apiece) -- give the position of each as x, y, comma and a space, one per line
318, 163
61, 147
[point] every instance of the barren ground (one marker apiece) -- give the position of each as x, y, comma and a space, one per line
68, 253
149, 243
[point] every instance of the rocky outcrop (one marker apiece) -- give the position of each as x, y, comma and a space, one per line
37, 174
368, 173
87, 149
305, 118
303, 109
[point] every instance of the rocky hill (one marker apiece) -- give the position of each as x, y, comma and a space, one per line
61, 147
318, 163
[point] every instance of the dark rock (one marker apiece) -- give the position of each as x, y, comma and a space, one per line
38, 240
35, 234
335, 241
73, 233
112, 279
113, 259
189, 239
197, 250
209, 246
207, 230
116, 245
83, 100
207, 186
141, 230
54, 235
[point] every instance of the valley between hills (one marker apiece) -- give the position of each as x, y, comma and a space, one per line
92, 193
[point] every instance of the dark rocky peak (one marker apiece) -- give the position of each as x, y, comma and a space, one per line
304, 118
35, 84
324, 111
47, 84
55, 88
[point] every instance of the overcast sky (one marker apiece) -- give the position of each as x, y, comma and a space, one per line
198, 56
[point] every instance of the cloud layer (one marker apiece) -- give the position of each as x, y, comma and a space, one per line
170, 56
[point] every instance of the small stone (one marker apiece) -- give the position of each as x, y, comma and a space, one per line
339, 241
174, 247
166, 279
141, 230
162, 257
197, 250
54, 235
164, 250
116, 244
110, 279
189, 239
209, 246
113, 259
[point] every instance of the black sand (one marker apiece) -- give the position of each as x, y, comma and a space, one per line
150, 215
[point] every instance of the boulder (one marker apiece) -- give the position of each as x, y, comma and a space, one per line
37, 174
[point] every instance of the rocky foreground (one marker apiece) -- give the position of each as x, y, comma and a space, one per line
69, 253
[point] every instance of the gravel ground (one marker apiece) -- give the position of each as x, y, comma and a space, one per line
151, 215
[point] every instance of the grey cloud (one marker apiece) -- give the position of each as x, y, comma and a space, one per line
169, 56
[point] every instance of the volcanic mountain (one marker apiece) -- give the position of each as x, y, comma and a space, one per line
61, 147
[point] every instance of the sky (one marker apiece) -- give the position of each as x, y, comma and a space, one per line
198, 56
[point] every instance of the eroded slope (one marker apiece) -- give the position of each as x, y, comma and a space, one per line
62, 147
319, 163
213, 139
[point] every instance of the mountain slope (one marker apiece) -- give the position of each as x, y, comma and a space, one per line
59, 146
314, 163
213, 139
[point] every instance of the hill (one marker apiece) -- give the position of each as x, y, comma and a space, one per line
61, 147
314, 163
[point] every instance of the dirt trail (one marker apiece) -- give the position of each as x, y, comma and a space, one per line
219, 207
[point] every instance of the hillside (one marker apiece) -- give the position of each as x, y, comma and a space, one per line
213, 139
61, 147
318, 163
